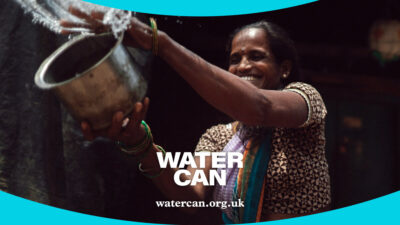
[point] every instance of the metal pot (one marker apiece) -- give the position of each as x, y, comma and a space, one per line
94, 77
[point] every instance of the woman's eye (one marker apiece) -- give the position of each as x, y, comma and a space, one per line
234, 60
257, 56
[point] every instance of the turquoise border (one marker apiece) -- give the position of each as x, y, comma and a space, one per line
200, 7
16, 210
383, 210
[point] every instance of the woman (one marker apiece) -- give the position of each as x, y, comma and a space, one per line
281, 128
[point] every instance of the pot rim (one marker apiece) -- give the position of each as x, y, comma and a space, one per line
40, 73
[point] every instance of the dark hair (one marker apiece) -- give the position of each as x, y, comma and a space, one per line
281, 45
283, 48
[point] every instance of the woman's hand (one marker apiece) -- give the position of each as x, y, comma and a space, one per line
93, 22
139, 34
127, 130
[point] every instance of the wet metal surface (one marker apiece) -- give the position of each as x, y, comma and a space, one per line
94, 76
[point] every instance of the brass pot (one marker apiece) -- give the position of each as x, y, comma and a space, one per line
94, 77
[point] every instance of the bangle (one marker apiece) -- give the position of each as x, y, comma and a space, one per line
153, 25
144, 154
142, 146
145, 172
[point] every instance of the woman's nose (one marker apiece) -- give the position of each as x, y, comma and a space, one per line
244, 65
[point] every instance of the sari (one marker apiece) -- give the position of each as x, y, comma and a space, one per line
245, 184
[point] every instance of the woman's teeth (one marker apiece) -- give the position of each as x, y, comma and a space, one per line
249, 78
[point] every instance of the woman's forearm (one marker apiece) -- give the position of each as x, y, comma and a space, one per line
226, 92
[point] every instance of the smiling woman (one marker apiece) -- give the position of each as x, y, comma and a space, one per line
251, 59
279, 129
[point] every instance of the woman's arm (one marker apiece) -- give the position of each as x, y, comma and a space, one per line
232, 95
226, 92
132, 134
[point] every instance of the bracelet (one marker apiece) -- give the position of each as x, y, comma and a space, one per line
145, 172
143, 155
153, 24
142, 146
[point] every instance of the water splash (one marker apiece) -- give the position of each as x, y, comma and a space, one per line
50, 12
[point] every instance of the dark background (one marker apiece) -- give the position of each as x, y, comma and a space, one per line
43, 156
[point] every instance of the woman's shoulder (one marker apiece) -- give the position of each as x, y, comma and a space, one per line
221, 127
315, 104
216, 137
301, 86
221, 131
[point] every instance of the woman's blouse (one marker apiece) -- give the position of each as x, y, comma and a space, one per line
297, 178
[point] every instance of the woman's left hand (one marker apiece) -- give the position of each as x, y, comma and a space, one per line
128, 130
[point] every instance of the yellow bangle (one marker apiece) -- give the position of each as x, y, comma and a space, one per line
155, 36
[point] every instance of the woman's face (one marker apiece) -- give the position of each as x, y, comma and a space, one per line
251, 59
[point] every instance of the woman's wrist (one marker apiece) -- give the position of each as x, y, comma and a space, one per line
145, 152
150, 160
163, 42
149, 165
135, 146
138, 138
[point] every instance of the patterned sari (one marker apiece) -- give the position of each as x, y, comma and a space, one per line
245, 184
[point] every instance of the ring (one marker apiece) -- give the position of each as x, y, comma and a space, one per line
125, 122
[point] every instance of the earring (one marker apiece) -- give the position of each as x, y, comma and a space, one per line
284, 76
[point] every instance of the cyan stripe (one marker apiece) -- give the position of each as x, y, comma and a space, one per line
201, 8
383, 210
19, 211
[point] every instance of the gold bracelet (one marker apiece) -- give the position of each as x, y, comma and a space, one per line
154, 35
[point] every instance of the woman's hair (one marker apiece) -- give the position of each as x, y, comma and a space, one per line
283, 48
281, 45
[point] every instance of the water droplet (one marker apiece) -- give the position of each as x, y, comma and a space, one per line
49, 13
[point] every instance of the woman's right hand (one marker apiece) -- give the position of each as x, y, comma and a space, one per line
128, 130
139, 34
